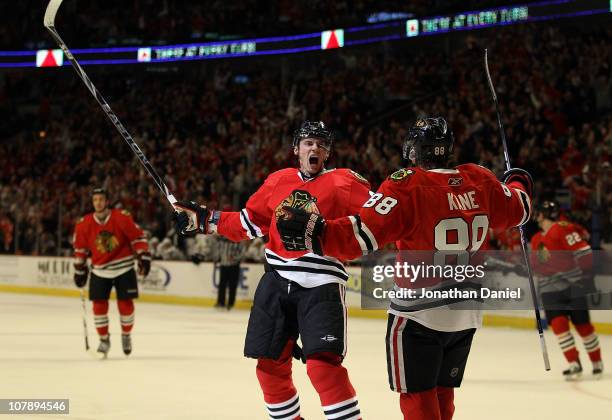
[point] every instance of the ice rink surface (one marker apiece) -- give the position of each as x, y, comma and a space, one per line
187, 364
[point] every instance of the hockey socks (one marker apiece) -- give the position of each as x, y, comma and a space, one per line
275, 379
332, 383
100, 310
560, 326
590, 341
433, 404
126, 315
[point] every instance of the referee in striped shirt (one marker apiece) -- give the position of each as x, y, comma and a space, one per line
228, 255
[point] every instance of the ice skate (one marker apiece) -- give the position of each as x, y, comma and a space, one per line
573, 372
598, 369
104, 346
126, 342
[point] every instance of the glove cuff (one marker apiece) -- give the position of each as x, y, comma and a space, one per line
213, 221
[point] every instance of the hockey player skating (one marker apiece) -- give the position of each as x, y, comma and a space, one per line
428, 207
564, 260
112, 240
301, 293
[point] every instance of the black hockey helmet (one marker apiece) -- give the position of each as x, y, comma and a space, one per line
99, 190
549, 209
313, 130
429, 142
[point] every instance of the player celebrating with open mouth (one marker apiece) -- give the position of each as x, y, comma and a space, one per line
416, 208
302, 293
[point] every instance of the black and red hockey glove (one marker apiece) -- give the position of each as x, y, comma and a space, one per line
301, 231
80, 274
144, 263
191, 218
521, 176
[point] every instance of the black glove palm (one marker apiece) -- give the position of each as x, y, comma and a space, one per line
80, 274
144, 263
301, 231
191, 218
521, 176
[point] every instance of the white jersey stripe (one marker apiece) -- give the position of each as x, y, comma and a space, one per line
362, 245
253, 231
369, 234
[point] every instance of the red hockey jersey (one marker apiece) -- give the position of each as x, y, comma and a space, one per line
560, 256
111, 243
435, 210
333, 193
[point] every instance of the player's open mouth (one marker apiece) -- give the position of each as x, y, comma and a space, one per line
313, 160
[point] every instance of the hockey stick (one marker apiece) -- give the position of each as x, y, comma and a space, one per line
49, 21
84, 320
93, 353
534, 295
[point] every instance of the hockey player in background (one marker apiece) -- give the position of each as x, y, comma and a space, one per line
428, 207
301, 294
112, 240
563, 260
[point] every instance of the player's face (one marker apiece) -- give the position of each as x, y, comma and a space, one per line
312, 154
100, 202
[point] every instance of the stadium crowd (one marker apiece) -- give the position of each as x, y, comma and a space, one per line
216, 130
116, 22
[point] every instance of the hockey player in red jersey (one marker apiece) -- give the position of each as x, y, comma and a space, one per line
563, 260
428, 207
301, 294
112, 240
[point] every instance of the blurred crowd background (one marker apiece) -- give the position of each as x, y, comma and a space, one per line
215, 129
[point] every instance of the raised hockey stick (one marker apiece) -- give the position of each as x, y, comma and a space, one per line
84, 319
49, 21
534, 294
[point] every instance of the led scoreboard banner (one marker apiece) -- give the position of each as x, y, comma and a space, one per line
331, 39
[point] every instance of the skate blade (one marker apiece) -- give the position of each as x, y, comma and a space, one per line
573, 377
598, 376
97, 355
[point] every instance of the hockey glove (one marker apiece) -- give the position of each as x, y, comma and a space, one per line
521, 176
144, 263
301, 231
80, 274
191, 218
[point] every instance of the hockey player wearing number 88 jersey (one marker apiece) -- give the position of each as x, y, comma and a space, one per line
301, 293
426, 207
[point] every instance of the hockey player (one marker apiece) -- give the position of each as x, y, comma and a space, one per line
112, 240
428, 207
563, 260
301, 294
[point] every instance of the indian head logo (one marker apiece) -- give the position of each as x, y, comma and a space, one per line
106, 242
298, 199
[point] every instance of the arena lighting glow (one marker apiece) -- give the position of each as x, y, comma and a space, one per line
346, 37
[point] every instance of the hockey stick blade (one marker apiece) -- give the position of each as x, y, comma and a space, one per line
51, 11
49, 21
534, 295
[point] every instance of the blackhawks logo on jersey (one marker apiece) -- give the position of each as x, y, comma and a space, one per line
298, 199
401, 174
106, 242
543, 254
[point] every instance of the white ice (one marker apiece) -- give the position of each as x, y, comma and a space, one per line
187, 364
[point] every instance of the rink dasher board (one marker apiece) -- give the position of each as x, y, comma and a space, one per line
185, 283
